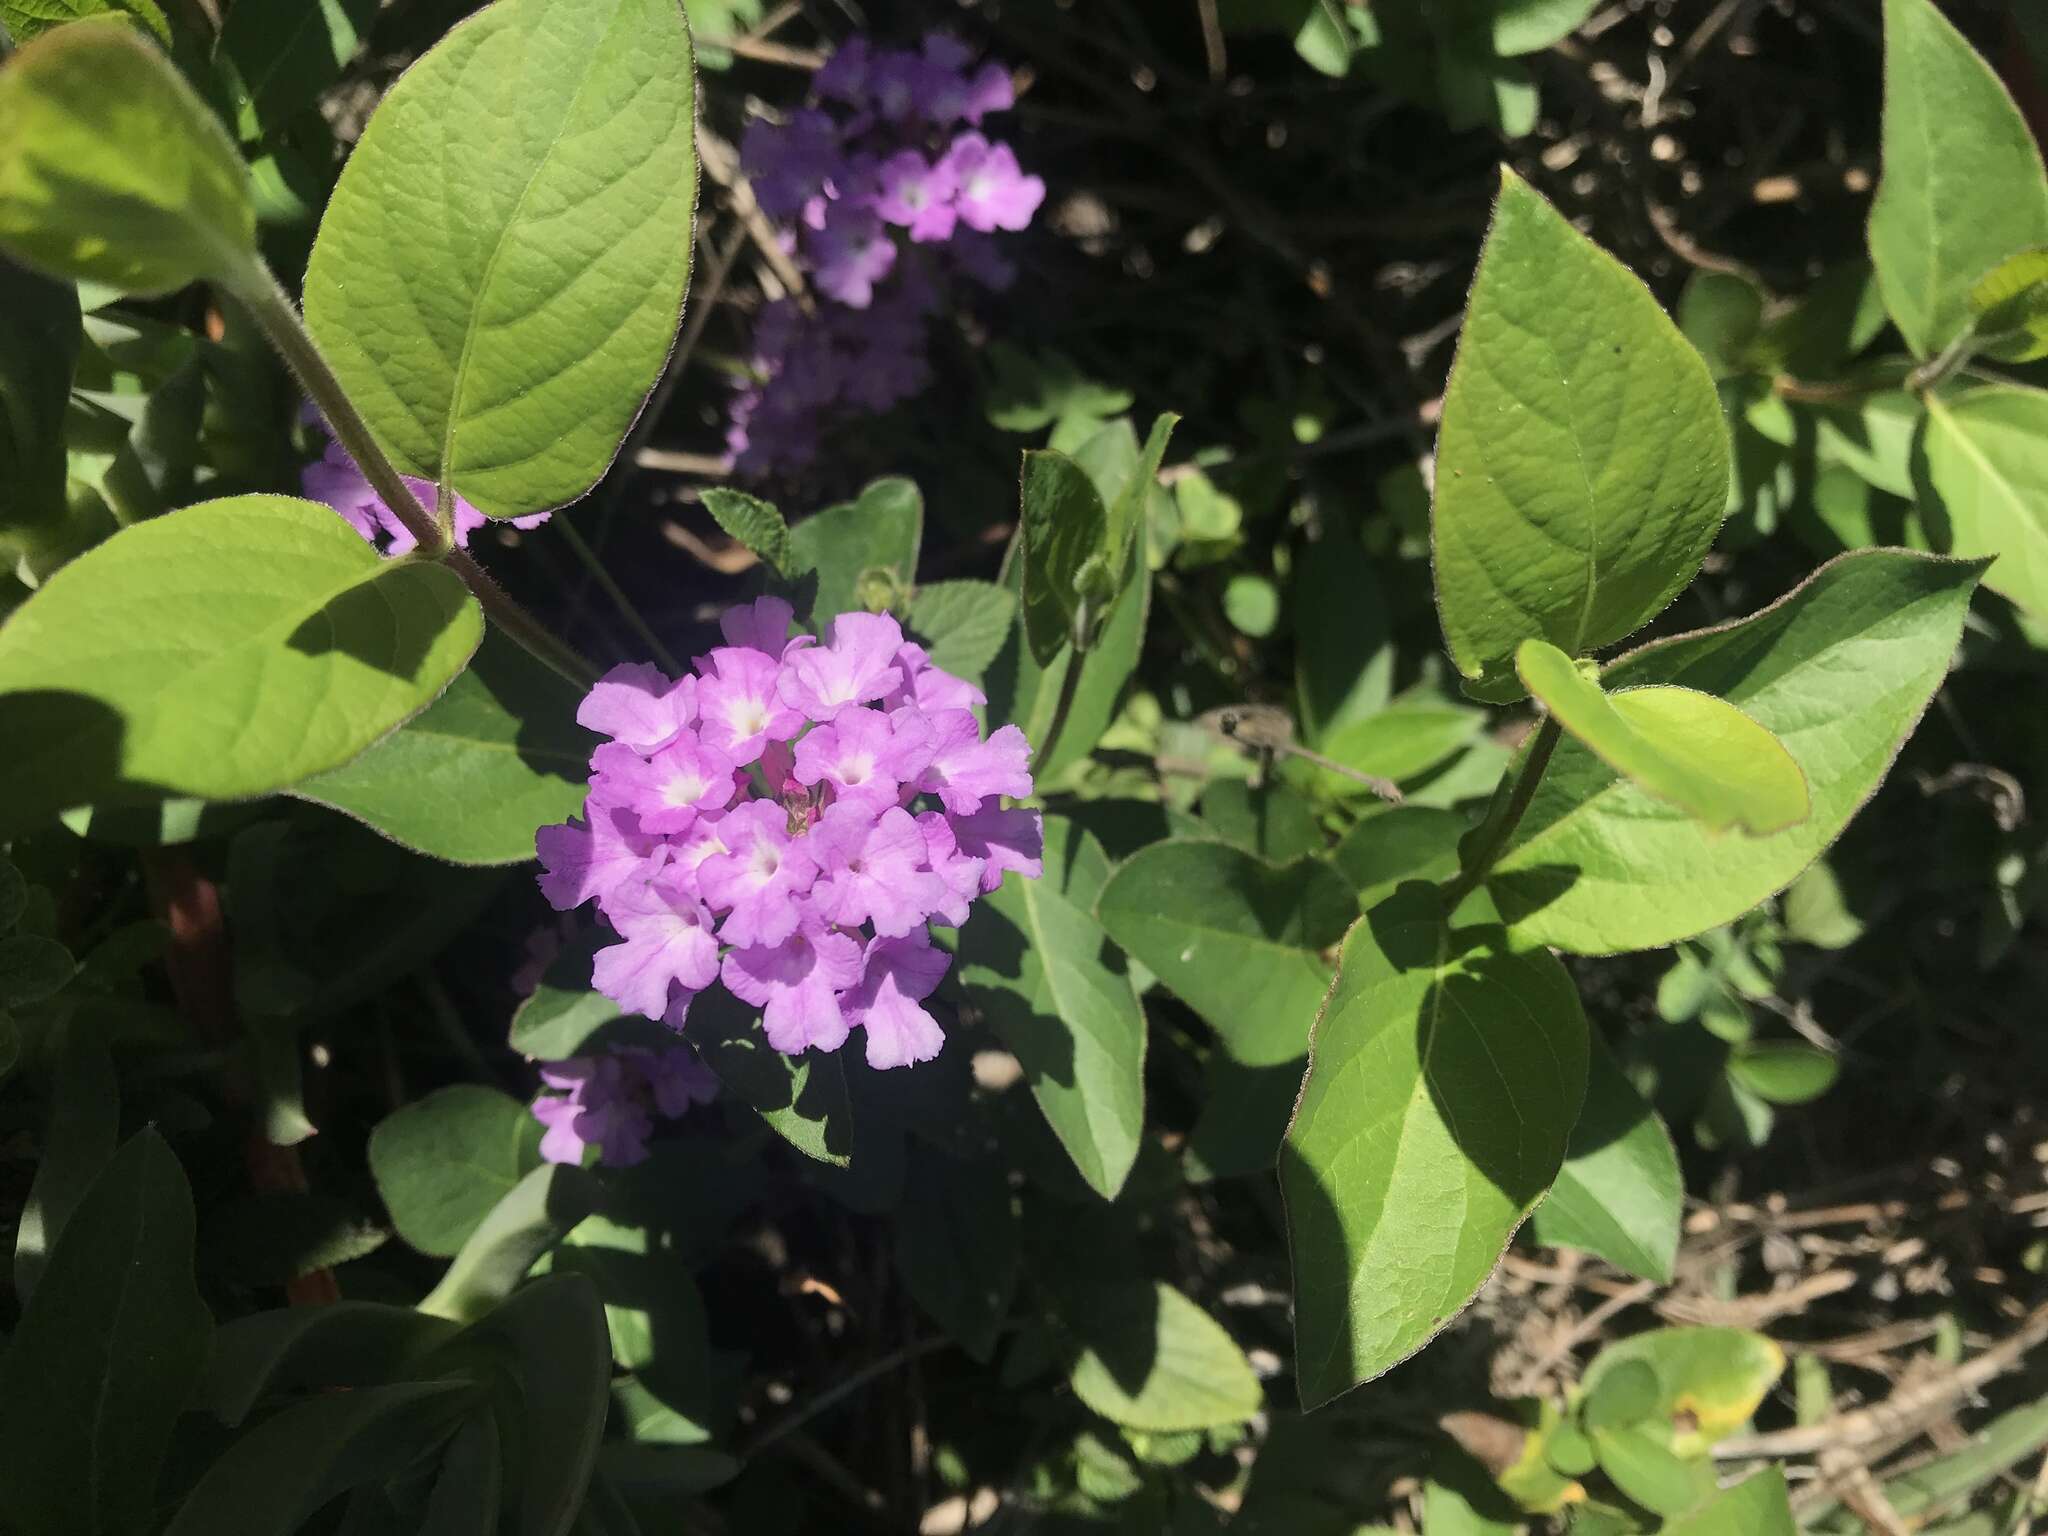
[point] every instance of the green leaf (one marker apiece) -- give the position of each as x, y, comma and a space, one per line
1445, 1075
2010, 308
1152, 1360
1643, 1467
1043, 971
1626, 1395
556, 1332
1021, 692
496, 757
1756, 1506
1271, 821
32, 968
1403, 741
112, 169
755, 523
39, 343
1839, 669
275, 1477
442, 1162
1620, 1194
1343, 653
1525, 26
1716, 1376
281, 57
1032, 391
1062, 527
958, 1249
1963, 186
565, 1012
880, 531
1127, 505
106, 1353
27, 20
1252, 604
1238, 940
1698, 752
1461, 1500
228, 650
269, 1237
1981, 471
803, 1098
465, 1500
500, 271
534, 1215
343, 1344
1583, 465
1780, 1072
79, 1137
1817, 911
1408, 842
962, 624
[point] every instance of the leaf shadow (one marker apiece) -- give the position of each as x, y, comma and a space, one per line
1120, 1323
1042, 1042
386, 625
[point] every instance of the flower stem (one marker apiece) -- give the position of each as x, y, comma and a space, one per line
251, 282
617, 594
1494, 837
254, 285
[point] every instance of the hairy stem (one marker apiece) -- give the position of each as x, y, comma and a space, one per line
1494, 837
274, 311
253, 284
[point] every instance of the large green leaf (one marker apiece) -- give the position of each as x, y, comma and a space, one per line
878, 532
500, 271
1343, 655
1407, 842
1445, 1075
1044, 972
495, 757
1963, 187
442, 1162
223, 651
1154, 1361
112, 169
1620, 1194
1700, 753
1238, 940
1983, 470
269, 1482
1839, 669
963, 624
803, 1098
106, 1353
39, 343
534, 1215
1583, 465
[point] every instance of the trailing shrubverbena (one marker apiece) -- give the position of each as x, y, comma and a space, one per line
821, 825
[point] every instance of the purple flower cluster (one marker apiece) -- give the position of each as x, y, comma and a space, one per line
609, 1102
788, 819
336, 479
881, 156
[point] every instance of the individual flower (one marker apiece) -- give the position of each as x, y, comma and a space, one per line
990, 190
871, 869
849, 257
866, 756
898, 974
636, 704
857, 666
917, 195
796, 985
740, 705
1003, 840
965, 770
789, 163
586, 860
760, 875
670, 789
666, 948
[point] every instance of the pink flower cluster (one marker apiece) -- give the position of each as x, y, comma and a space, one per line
788, 819
876, 179
609, 1101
